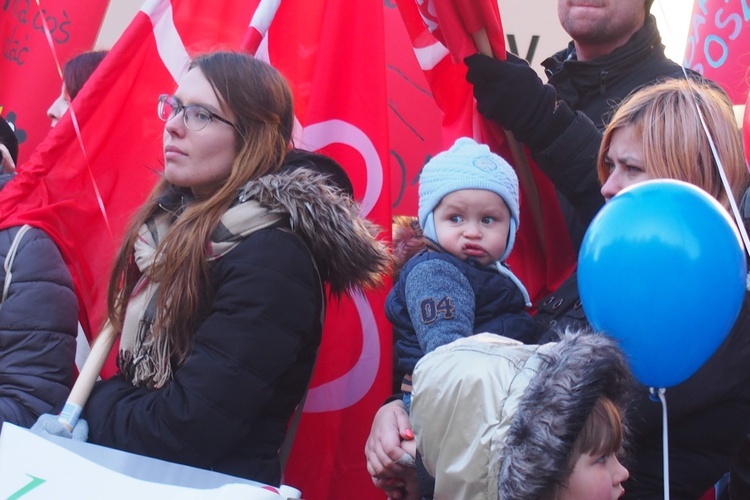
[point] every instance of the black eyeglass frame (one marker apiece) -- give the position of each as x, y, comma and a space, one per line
178, 108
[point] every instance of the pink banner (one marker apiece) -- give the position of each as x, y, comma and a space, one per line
718, 44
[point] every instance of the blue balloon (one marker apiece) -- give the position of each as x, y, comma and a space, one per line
662, 269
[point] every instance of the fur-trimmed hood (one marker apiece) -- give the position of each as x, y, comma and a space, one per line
495, 418
575, 373
327, 219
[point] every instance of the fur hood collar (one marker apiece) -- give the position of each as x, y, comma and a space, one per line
327, 220
497, 419
574, 373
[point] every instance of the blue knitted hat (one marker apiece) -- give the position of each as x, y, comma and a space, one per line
467, 165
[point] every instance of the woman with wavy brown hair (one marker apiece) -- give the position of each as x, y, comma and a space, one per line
218, 289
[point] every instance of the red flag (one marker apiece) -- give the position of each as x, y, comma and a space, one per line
83, 201
462, 25
332, 51
84, 196
718, 45
543, 255
413, 117
28, 66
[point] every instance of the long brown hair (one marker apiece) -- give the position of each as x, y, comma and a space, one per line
260, 98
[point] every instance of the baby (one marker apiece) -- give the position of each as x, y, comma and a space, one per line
460, 285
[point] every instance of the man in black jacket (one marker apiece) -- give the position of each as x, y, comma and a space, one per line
616, 49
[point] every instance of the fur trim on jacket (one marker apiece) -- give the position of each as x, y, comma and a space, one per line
408, 241
558, 400
495, 418
342, 242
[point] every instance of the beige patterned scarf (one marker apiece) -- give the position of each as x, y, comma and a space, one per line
145, 355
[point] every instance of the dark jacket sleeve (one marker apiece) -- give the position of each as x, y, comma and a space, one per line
265, 319
38, 326
739, 482
566, 152
707, 412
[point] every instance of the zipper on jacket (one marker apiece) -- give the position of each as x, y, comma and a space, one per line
603, 81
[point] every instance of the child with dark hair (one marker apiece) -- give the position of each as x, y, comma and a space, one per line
594, 470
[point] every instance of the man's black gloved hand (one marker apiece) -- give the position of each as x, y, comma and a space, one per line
510, 93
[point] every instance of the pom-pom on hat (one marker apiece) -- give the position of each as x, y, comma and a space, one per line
467, 165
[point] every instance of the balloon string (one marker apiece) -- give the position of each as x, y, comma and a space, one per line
719, 165
97, 193
665, 438
724, 180
51, 43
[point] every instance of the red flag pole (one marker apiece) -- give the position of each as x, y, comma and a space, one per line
259, 25
522, 167
482, 41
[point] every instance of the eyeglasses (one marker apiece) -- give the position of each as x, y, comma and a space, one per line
195, 116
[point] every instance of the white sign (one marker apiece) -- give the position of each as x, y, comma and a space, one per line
32, 467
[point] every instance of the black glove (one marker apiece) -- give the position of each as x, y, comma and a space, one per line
510, 93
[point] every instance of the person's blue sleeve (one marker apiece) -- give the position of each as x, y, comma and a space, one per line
441, 304
38, 327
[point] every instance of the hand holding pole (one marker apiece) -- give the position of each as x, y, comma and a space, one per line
89, 373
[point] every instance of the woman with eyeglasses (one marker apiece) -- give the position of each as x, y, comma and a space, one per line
218, 289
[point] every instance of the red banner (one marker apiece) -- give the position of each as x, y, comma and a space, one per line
718, 45
83, 200
413, 117
29, 78
333, 53
543, 255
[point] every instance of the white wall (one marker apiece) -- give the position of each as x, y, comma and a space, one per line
525, 19
118, 16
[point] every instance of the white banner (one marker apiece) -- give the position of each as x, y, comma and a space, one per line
33, 467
